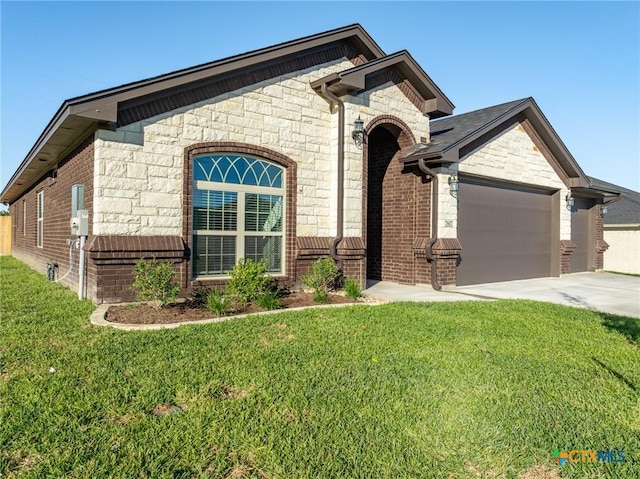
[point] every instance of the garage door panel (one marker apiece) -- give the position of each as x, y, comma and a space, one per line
580, 235
505, 233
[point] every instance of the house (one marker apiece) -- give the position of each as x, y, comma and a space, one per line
321, 146
621, 229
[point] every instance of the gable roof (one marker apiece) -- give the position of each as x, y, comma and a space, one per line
432, 100
626, 210
80, 116
452, 137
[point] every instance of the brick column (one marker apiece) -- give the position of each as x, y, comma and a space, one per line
601, 244
567, 247
446, 252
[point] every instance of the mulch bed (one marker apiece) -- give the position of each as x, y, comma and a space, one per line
190, 310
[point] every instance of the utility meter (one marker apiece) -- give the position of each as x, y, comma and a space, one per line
79, 216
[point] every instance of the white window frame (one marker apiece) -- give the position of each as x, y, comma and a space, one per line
40, 219
240, 232
24, 217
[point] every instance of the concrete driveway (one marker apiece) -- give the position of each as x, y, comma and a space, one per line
604, 292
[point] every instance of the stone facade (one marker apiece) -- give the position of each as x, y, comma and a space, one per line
139, 167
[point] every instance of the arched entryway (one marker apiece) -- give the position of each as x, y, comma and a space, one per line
394, 198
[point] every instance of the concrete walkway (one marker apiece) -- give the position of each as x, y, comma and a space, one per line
604, 292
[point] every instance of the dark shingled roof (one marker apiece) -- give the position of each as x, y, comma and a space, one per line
624, 211
450, 131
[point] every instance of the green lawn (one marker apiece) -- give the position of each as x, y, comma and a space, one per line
457, 390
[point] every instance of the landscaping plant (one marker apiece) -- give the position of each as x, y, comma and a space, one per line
269, 300
155, 281
352, 288
218, 303
322, 278
249, 279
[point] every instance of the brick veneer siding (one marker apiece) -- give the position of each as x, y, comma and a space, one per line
350, 251
397, 207
601, 244
446, 252
567, 247
75, 168
111, 261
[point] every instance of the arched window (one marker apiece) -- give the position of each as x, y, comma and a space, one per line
238, 212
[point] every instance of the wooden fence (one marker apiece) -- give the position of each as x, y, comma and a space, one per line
5, 235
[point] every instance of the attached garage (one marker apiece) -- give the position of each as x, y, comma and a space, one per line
505, 183
506, 232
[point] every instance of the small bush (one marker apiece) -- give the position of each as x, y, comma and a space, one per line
320, 296
269, 300
249, 279
352, 288
322, 277
155, 280
218, 303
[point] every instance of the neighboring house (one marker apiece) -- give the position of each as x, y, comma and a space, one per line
621, 229
261, 155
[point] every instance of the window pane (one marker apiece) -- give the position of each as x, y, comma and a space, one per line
263, 212
215, 210
268, 248
213, 254
237, 170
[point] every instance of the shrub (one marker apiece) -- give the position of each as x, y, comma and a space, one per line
269, 300
249, 279
320, 296
322, 277
352, 288
218, 303
155, 280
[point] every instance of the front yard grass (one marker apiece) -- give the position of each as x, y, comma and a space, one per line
446, 390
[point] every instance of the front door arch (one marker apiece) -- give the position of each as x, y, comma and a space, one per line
390, 205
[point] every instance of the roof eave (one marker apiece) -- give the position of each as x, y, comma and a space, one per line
434, 102
101, 107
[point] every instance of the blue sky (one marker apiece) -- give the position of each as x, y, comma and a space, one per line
579, 60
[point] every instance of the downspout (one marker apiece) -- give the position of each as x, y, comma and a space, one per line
340, 216
434, 223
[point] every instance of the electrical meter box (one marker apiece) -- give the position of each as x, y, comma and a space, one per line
79, 222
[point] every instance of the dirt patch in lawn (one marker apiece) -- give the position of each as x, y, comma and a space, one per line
191, 310
540, 471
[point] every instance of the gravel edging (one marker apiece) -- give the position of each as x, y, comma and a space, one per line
98, 316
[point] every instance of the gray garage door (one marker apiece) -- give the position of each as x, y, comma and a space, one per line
505, 233
580, 259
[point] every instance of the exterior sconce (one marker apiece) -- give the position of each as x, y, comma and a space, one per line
454, 185
358, 132
570, 201
603, 210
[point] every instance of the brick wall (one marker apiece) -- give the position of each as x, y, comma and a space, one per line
601, 244
75, 168
398, 208
567, 247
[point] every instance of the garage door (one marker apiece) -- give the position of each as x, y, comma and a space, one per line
580, 259
505, 232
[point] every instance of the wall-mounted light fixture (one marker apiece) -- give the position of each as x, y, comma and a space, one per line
358, 132
603, 210
570, 201
454, 185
